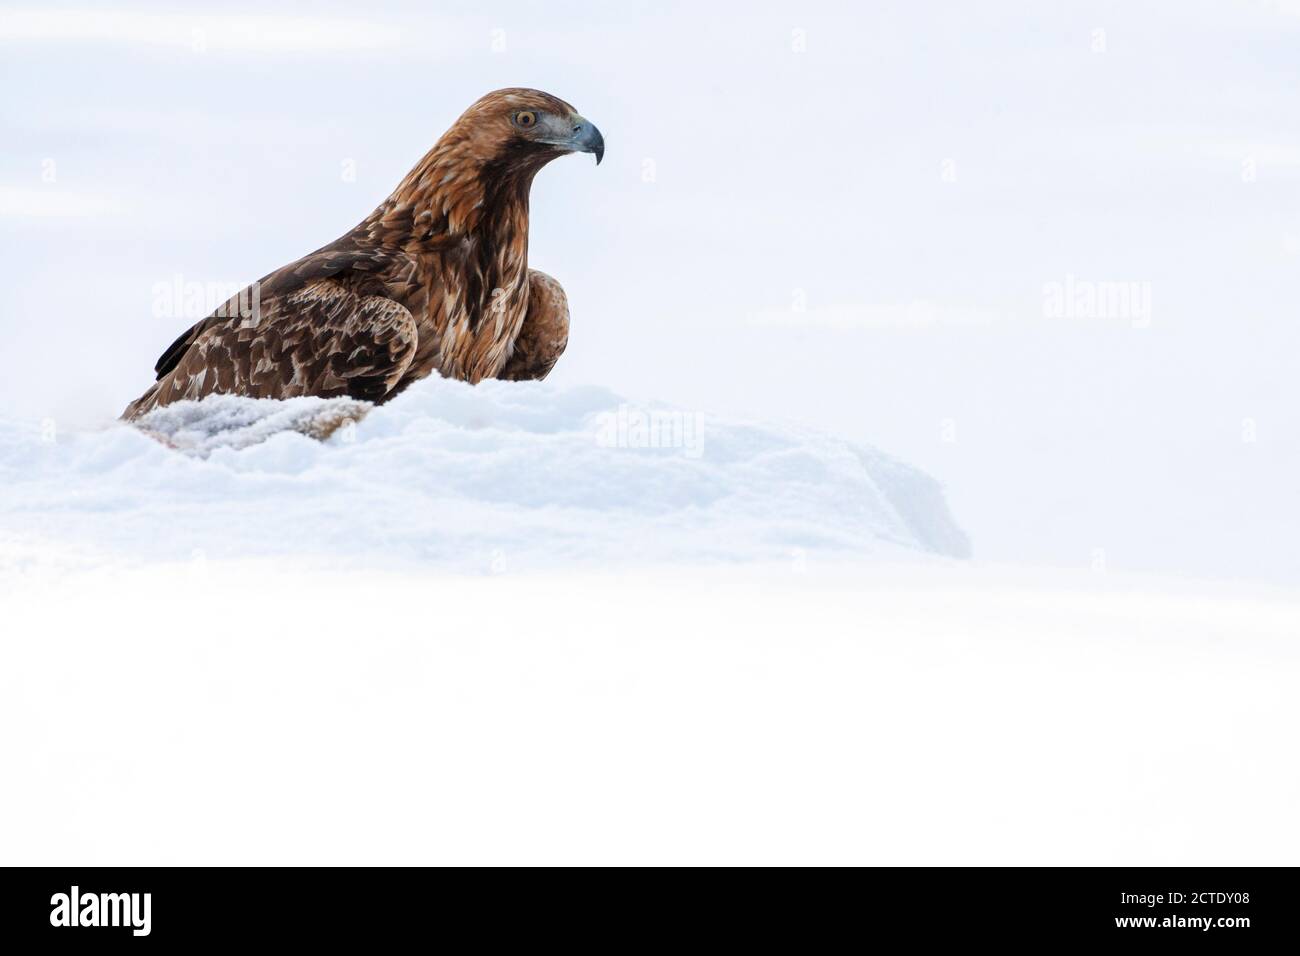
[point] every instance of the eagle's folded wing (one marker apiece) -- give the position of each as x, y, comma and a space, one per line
321, 339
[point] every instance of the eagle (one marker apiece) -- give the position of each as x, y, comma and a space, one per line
435, 279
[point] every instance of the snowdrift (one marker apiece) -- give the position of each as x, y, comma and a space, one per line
498, 475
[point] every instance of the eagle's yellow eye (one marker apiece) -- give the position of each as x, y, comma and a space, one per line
525, 118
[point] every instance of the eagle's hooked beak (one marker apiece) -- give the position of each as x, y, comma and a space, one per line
586, 138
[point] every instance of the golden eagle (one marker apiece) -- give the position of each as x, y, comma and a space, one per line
435, 279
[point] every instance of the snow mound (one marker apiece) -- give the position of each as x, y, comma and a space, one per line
495, 476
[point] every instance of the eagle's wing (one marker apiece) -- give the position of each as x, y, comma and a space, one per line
320, 339
344, 258
544, 333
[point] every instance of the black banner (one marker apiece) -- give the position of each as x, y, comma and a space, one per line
97, 908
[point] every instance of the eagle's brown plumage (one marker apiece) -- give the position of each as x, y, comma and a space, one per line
435, 279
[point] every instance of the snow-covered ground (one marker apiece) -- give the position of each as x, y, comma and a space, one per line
519, 475
214, 712
491, 625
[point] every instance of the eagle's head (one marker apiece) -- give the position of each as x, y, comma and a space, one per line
482, 168
523, 130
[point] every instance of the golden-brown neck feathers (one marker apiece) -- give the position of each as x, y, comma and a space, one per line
482, 161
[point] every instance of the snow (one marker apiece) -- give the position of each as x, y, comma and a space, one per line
507, 624
460, 477
933, 712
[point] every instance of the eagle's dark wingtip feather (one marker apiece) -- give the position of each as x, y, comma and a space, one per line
170, 358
